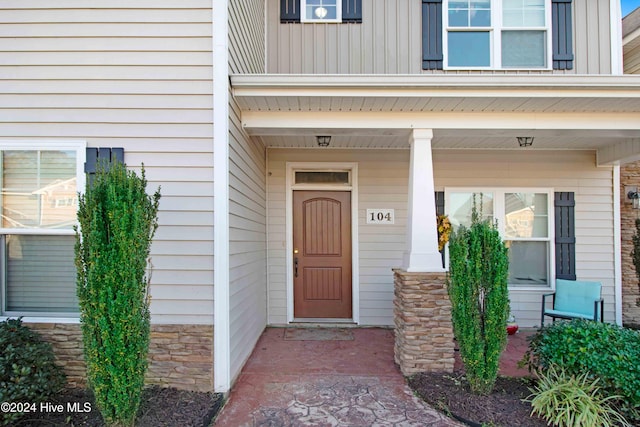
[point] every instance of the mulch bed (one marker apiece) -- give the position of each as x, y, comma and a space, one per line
450, 394
159, 407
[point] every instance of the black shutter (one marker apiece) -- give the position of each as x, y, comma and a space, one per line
440, 211
562, 34
289, 11
101, 158
352, 11
432, 58
565, 236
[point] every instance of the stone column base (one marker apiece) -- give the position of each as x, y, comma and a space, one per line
180, 356
423, 328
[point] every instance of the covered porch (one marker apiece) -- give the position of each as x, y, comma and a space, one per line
404, 141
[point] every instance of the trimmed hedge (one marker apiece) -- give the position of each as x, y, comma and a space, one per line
28, 373
608, 352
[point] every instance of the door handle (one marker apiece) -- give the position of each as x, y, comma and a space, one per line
295, 266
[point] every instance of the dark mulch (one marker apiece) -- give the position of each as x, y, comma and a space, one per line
159, 407
450, 394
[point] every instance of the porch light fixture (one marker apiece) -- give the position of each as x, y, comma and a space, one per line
323, 140
525, 141
634, 196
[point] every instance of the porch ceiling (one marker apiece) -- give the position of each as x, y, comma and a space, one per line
465, 111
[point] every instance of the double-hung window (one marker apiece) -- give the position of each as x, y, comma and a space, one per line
523, 220
40, 184
497, 34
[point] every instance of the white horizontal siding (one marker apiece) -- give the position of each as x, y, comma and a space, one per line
383, 178
132, 74
247, 194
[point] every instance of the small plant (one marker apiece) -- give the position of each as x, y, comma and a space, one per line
477, 286
118, 220
609, 352
573, 401
28, 373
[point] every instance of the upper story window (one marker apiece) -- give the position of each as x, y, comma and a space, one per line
318, 11
321, 10
497, 34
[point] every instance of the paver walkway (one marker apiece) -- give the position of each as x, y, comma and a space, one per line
326, 383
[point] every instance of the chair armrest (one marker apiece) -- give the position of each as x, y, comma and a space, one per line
595, 309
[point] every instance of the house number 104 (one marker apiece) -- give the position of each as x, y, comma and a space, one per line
380, 216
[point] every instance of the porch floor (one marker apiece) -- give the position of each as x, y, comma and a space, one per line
334, 382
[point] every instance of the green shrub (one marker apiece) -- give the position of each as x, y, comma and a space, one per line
608, 352
573, 401
477, 286
117, 223
28, 373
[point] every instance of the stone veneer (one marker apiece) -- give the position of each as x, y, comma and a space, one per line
629, 176
180, 356
423, 329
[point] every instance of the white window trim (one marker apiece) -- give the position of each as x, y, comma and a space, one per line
495, 38
304, 18
79, 146
499, 212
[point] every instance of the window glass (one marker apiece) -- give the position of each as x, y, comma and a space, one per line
319, 177
41, 275
523, 49
526, 215
528, 263
470, 13
469, 49
39, 189
461, 207
523, 13
321, 9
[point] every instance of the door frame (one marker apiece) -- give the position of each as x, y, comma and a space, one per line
352, 168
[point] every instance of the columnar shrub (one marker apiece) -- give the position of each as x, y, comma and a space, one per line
608, 352
477, 286
117, 223
28, 374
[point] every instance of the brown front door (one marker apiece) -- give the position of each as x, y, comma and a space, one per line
322, 254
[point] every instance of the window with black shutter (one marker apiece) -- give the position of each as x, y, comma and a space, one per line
296, 11
565, 237
476, 35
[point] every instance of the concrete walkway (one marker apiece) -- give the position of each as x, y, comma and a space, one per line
351, 382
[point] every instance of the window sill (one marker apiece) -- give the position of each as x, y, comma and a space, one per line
31, 319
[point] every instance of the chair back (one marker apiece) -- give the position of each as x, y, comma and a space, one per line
577, 296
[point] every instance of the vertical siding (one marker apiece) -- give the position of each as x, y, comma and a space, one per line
389, 41
383, 178
134, 74
247, 193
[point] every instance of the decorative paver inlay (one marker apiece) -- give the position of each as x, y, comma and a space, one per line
348, 401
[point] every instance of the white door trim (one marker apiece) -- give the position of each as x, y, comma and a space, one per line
353, 188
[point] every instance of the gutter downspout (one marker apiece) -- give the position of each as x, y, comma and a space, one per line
221, 314
615, 11
617, 247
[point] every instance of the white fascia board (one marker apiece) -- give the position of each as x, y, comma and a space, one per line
438, 120
255, 84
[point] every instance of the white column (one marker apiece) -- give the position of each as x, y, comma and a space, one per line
422, 235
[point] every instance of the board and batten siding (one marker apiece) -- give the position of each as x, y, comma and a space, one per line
247, 194
135, 74
383, 179
389, 41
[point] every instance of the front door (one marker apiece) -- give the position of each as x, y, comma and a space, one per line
322, 254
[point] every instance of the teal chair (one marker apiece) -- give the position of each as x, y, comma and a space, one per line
574, 299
